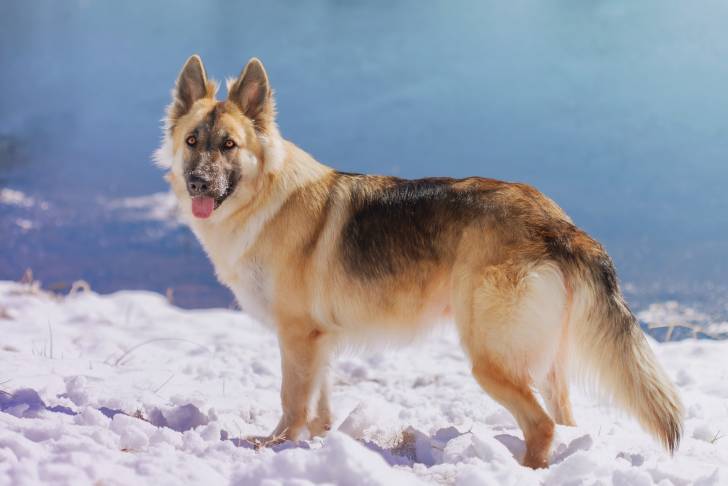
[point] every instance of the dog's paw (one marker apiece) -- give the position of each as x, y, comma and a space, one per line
261, 441
318, 427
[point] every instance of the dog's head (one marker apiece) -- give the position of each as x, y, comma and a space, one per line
219, 150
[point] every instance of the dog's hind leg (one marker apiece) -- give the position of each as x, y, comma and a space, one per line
555, 391
555, 387
516, 396
509, 318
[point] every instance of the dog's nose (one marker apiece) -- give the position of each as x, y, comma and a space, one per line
197, 186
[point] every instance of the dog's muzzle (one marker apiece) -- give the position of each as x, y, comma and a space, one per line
197, 186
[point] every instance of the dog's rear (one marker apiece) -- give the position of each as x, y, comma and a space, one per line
527, 320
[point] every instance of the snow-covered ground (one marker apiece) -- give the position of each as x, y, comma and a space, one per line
127, 389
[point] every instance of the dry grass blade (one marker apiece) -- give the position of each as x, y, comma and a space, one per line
79, 286
716, 437
696, 329
156, 390
134, 348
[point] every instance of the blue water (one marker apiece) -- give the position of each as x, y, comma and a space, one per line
616, 109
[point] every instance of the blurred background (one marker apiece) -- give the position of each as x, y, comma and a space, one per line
618, 110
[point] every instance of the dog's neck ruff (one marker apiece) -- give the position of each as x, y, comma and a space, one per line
235, 227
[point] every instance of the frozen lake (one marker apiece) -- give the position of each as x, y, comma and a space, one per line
618, 111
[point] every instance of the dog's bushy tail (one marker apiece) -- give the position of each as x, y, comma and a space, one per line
607, 340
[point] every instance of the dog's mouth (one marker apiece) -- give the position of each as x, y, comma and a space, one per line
204, 205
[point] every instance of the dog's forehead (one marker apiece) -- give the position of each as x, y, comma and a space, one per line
208, 121
221, 118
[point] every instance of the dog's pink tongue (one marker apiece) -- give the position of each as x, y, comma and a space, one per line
202, 206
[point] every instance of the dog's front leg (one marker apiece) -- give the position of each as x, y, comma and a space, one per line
321, 423
304, 355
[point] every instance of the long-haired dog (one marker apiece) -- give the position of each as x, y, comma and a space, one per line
328, 258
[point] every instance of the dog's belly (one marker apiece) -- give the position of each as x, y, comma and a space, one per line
392, 327
386, 311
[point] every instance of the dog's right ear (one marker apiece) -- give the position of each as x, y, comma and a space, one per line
191, 86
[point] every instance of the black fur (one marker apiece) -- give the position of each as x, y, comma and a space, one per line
403, 222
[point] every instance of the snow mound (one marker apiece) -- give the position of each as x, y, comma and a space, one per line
127, 389
158, 207
12, 197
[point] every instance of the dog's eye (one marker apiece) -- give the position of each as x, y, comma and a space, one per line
228, 144
191, 140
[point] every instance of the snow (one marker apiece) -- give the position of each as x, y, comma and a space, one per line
13, 197
127, 389
671, 313
159, 206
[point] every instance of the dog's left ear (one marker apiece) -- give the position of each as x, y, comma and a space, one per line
252, 94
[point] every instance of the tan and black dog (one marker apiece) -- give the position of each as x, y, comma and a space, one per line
331, 258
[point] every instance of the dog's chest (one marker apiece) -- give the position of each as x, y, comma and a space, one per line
245, 276
252, 287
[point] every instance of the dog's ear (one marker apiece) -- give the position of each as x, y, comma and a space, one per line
252, 94
191, 86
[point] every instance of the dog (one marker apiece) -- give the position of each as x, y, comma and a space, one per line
331, 258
